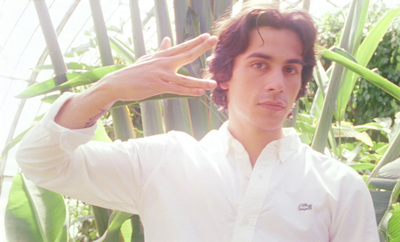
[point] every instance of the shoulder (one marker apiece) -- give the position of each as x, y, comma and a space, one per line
168, 141
332, 170
171, 146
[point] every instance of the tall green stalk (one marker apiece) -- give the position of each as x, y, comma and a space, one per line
50, 37
325, 120
176, 111
31, 80
188, 25
152, 120
221, 7
363, 53
25, 197
150, 111
121, 119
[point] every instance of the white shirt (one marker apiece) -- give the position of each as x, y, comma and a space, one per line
186, 190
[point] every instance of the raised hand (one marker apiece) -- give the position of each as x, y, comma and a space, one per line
157, 73
148, 76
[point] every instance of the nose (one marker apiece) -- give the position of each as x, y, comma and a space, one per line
274, 81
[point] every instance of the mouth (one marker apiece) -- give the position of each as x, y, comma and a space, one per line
272, 105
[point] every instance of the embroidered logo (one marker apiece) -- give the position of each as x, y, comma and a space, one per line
304, 207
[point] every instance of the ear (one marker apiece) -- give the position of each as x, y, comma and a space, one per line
224, 85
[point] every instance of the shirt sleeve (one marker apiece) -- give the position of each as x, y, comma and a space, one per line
67, 161
355, 215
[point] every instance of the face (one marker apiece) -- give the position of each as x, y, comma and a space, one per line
266, 81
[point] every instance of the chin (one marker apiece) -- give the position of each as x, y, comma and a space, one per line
268, 126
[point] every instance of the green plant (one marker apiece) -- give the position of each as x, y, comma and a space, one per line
366, 99
354, 54
192, 18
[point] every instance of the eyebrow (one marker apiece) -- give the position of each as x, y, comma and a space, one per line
268, 57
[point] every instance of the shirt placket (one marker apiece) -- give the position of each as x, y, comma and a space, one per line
254, 198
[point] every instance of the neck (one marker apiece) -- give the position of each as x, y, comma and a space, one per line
254, 139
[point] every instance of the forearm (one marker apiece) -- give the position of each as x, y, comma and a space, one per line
84, 109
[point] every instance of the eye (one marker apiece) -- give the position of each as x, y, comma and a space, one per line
259, 65
291, 70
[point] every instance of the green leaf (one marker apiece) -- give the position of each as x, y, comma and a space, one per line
89, 77
126, 230
101, 134
374, 37
19, 137
42, 87
123, 51
343, 53
363, 166
74, 79
363, 55
305, 128
50, 98
371, 126
116, 220
381, 200
101, 217
384, 223
367, 74
34, 213
348, 130
390, 155
390, 170
394, 222
13, 142
70, 66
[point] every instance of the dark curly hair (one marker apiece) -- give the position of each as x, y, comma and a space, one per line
233, 34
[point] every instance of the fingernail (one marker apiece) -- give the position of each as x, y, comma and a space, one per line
212, 84
205, 36
212, 39
201, 91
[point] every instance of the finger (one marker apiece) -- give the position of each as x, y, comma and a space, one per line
165, 43
188, 81
194, 52
185, 46
182, 90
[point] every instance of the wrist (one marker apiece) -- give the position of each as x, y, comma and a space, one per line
102, 95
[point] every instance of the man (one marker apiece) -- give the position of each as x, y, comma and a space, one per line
251, 180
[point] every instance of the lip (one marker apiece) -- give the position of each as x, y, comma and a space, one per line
272, 105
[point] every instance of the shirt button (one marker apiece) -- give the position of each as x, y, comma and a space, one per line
245, 221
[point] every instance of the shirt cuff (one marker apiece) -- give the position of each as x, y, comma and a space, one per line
69, 139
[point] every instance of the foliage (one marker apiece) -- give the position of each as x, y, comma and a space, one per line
351, 142
386, 62
82, 226
394, 229
27, 214
368, 101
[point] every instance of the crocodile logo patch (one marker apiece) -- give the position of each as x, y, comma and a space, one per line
304, 207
